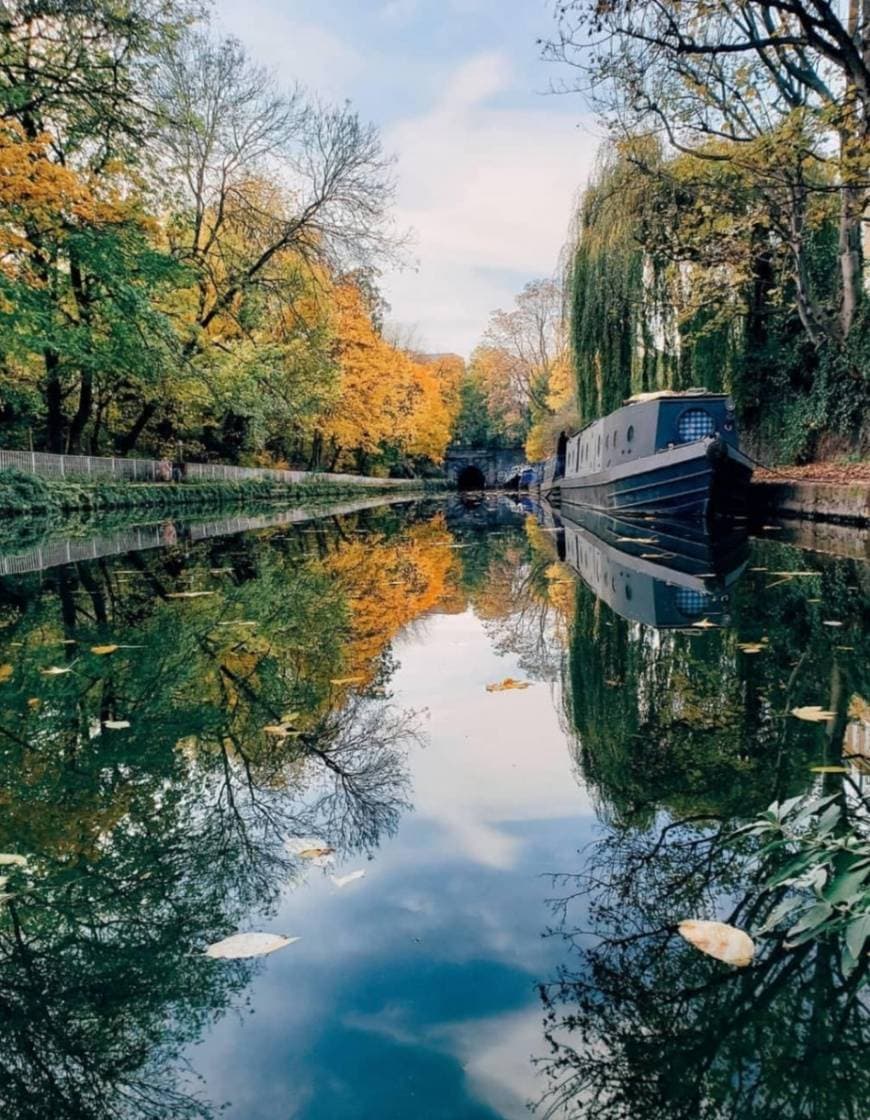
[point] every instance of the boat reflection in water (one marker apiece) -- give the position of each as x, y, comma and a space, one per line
666, 574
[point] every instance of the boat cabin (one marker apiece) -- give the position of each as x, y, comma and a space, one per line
649, 423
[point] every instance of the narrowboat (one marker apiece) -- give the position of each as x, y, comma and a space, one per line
666, 453
669, 575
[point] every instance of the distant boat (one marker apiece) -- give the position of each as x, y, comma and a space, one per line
663, 453
666, 574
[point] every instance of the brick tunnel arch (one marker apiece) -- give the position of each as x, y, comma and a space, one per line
470, 478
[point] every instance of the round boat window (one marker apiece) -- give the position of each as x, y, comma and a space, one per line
691, 603
629, 435
695, 423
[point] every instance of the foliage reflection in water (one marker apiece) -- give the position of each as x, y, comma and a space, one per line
248, 698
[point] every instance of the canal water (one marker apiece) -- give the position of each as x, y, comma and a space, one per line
481, 760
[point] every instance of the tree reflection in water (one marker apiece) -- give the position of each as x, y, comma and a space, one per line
146, 843
680, 736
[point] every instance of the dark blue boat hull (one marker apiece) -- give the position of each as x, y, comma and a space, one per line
695, 482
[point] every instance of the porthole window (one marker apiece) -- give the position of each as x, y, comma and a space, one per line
691, 603
695, 423
607, 441
629, 435
599, 445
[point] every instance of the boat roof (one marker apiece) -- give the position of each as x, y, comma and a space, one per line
665, 394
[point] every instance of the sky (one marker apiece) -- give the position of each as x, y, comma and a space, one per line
488, 162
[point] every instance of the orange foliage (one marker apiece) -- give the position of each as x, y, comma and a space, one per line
390, 582
385, 396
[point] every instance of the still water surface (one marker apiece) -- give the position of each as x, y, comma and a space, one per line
178, 724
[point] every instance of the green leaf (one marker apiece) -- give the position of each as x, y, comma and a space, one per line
786, 906
811, 919
857, 932
845, 886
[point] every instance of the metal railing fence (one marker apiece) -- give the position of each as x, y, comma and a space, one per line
159, 470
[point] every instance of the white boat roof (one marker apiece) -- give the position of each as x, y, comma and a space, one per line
663, 394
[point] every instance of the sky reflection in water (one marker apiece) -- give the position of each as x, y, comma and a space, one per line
414, 991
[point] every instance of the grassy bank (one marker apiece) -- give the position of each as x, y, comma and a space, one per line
30, 494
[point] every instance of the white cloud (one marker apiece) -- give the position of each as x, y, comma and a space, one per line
488, 190
297, 51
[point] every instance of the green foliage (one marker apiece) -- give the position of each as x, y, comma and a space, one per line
675, 280
819, 852
29, 494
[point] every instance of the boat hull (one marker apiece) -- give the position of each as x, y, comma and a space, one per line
694, 481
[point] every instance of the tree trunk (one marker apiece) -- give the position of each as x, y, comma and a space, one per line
83, 413
129, 441
54, 403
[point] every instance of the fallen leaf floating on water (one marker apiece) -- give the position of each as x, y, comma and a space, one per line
34, 702
55, 671
813, 713
831, 622
310, 848
706, 624
116, 724
506, 685
187, 594
6, 672
351, 877
103, 650
280, 730
346, 680
638, 540
829, 769
717, 939
751, 647
236, 622
248, 945
315, 853
8, 859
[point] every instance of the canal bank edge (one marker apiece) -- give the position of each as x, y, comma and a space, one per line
24, 494
842, 503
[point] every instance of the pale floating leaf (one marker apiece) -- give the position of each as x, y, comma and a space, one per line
831, 622
101, 651
315, 853
638, 540
346, 680
717, 939
236, 622
277, 730
507, 684
705, 624
6, 672
10, 859
812, 713
116, 724
351, 877
829, 769
248, 945
55, 671
188, 594
751, 647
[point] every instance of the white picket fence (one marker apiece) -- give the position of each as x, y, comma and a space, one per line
155, 470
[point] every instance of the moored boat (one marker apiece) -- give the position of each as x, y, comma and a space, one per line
671, 453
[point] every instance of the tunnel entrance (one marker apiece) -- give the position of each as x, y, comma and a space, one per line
470, 478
